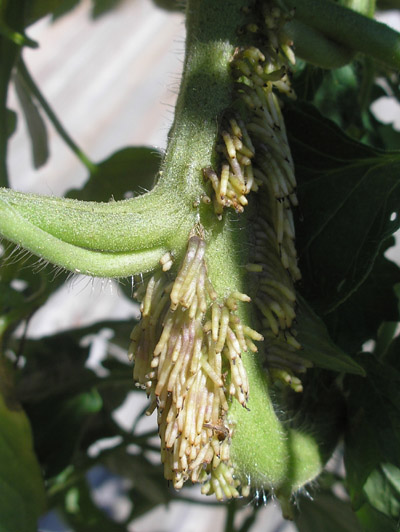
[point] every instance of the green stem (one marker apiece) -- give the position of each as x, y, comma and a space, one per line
122, 238
23, 71
312, 46
262, 450
114, 239
103, 240
230, 516
116, 226
16, 37
205, 93
349, 28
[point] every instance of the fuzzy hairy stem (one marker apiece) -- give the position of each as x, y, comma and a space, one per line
124, 238
115, 239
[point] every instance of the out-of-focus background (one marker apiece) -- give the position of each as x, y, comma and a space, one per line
113, 82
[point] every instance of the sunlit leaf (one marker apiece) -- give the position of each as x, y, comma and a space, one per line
382, 490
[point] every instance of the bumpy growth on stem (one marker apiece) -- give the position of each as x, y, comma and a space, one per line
194, 348
217, 226
187, 352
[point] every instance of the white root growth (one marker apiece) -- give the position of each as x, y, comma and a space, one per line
256, 157
187, 352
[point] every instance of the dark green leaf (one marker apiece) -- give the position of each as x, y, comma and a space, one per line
22, 491
345, 95
335, 97
347, 194
319, 410
10, 298
317, 345
326, 513
171, 5
392, 355
101, 7
69, 405
373, 521
58, 424
388, 4
126, 173
83, 514
37, 9
56, 364
361, 316
373, 429
11, 121
389, 136
34, 121
385, 341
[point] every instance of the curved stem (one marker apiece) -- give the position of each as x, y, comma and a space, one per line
350, 29
103, 239
72, 257
127, 237
137, 224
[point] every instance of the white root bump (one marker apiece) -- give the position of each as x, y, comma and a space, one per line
187, 352
256, 157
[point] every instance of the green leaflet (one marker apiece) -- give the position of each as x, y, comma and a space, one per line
22, 490
342, 226
34, 121
383, 490
373, 430
326, 512
128, 172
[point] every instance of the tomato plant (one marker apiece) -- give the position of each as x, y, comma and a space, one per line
258, 259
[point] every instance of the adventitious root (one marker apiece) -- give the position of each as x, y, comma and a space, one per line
256, 157
187, 352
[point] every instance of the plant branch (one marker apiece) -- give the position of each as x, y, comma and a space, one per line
106, 240
349, 28
230, 516
312, 46
23, 71
16, 37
